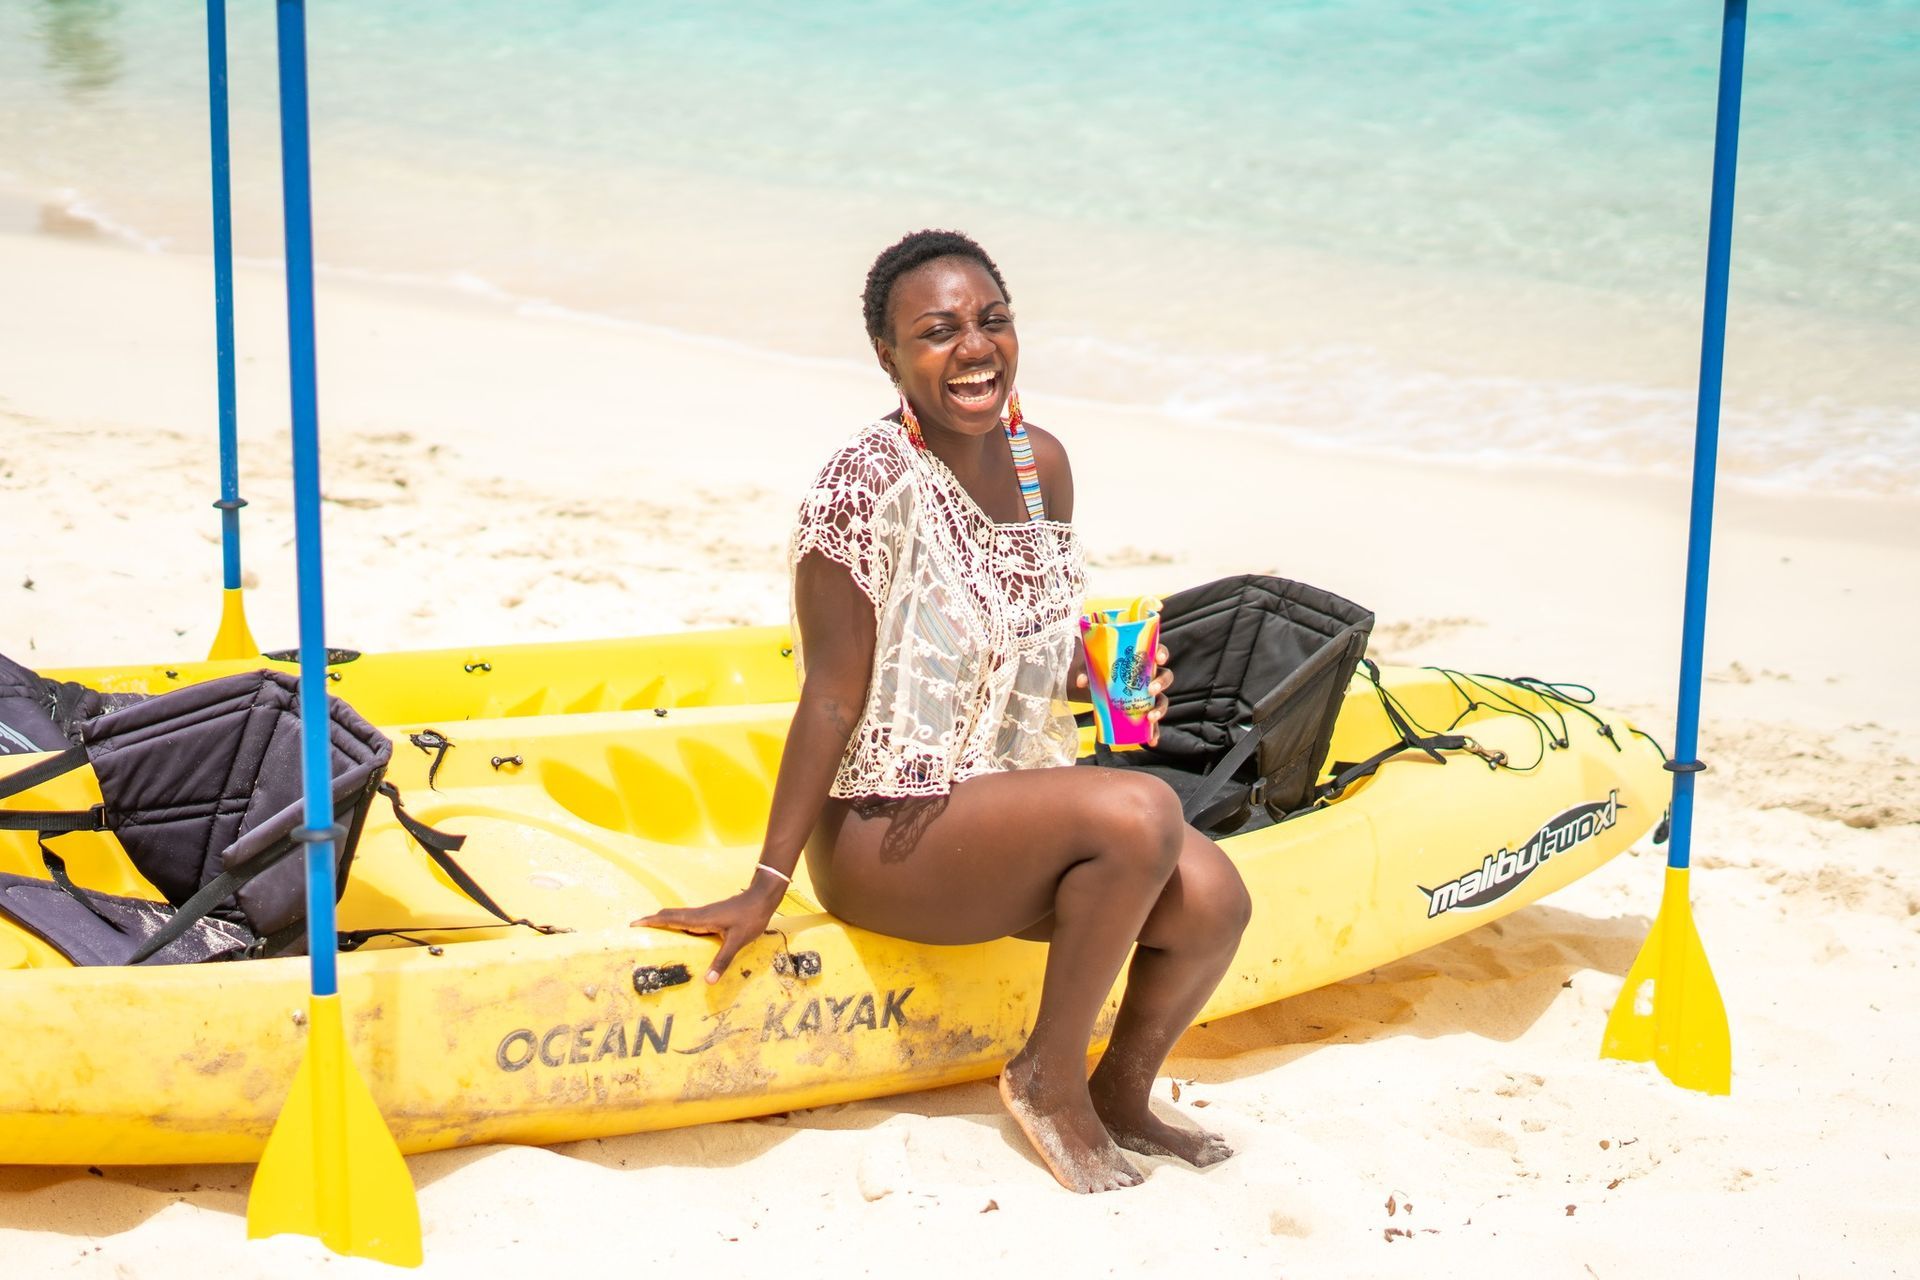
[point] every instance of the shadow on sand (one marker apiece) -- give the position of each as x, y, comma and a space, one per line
1494, 982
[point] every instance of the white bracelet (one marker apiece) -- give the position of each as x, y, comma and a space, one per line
783, 876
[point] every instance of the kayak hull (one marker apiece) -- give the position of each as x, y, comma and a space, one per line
504, 1035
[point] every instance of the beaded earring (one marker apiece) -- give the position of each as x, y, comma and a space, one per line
1011, 419
911, 423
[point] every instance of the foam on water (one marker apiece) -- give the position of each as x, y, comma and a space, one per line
1140, 167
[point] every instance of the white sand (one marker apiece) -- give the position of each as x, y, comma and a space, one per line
499, 477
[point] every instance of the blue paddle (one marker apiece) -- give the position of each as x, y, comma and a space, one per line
331, 1168
1670, 1011
234, 639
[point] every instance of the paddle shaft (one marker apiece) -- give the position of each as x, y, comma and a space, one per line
315, 756
1713, 342
230, 502
331, 1168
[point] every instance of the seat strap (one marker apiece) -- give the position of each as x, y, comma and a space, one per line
57, 869
1214, 799
49, 822
212, 894
354, 939
35, 774
1207, 805
1431, 744
440, 846
53, 822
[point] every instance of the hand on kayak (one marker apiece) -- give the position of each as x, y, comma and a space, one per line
1162, 681
736, 921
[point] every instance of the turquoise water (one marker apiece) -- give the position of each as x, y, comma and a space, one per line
570, 151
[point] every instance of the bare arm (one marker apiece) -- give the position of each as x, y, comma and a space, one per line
837, 632
837, 635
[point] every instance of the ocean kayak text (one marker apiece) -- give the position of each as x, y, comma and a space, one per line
582, 1044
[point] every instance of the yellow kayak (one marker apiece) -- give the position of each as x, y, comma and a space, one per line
727, 666
591, 819
724, 667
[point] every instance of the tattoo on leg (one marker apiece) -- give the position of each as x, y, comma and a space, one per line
907, 820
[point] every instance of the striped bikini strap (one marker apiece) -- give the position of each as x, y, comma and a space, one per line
1023, 467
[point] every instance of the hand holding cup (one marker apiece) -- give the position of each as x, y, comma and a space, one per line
1124, 672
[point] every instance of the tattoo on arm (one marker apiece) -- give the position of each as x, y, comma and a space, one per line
837, 716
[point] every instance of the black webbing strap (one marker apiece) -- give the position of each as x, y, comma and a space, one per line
47, 770
57, 868
278, 942
1202, 809
354, 939
49, 821
216, 891
1349, 774
440, 846
1409, 739
53, 822
1345, 775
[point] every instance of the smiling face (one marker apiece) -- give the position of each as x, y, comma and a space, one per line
950, 344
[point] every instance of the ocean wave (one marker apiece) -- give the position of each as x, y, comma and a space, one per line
1333, 396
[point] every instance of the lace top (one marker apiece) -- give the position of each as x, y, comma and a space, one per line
976, 621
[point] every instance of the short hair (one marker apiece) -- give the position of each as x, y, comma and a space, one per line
913, 250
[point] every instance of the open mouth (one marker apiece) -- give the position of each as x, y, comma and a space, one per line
975, 390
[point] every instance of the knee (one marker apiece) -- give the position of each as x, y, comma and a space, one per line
1215, 907
1231, 907
1140, 820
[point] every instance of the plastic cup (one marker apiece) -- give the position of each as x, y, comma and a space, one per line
1120, 646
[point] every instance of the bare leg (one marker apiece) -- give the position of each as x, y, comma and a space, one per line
1185, 947
1091, 849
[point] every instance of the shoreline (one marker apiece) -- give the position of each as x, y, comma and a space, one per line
1422, 360
401, 366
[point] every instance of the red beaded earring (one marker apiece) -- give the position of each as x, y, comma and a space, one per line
911, 423
1010, 419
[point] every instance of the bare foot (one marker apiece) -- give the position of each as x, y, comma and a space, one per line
1135, 1127
1065, 1131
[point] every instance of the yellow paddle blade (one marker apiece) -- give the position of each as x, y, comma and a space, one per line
233, 639
1670, 1012
331, 1169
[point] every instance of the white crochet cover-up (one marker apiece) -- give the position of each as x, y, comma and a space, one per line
976, 621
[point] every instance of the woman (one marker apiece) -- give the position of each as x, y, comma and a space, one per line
937, 588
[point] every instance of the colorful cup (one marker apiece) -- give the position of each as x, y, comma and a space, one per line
1120, 645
